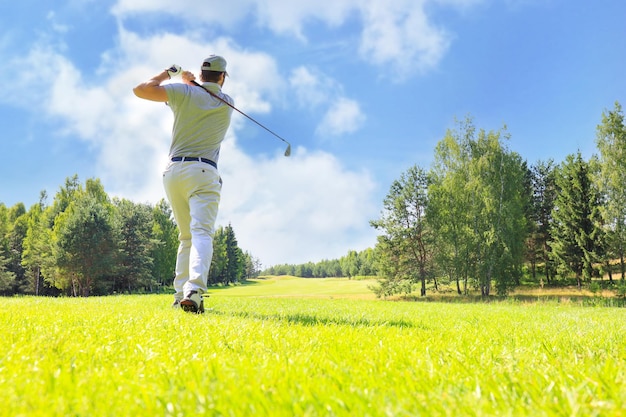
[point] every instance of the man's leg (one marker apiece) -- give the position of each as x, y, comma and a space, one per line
182, 268
203, 208
177, 196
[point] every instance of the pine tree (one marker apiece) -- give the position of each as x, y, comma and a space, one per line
576, 232
543, 196
405, 246
235, 263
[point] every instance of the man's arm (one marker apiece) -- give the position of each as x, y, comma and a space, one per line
152, 89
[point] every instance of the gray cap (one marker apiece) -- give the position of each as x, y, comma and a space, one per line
214, 63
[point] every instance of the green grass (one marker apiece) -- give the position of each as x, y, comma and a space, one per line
286, 286
265, 350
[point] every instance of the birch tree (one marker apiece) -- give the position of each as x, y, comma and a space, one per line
611, 142
477, 208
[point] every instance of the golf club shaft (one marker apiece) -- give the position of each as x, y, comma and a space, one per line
235, 108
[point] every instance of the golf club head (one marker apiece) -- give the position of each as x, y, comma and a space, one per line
288, 150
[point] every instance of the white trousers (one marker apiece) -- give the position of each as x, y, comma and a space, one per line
193, 190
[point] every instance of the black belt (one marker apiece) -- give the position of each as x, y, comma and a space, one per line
190, 158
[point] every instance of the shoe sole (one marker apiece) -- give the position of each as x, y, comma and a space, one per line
191, 307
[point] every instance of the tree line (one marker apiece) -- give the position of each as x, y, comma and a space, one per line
482, 219
86, 243
479, 219
353, 264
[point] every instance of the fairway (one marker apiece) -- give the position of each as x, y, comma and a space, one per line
266, 349
288, 286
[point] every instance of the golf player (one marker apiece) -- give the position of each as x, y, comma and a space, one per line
191, 179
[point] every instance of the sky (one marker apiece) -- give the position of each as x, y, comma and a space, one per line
362, 89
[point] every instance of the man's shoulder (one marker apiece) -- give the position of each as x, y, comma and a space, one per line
228, 99
178, 87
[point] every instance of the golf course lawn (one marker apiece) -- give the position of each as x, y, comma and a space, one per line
316, 347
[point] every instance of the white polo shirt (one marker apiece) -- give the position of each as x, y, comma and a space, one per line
200, 120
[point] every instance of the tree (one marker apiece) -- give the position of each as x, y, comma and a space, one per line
252, 265
450, 207
234, 255
496, 181
350, 264
36, 245
16, 232
63, 199
366, 262
477, 208
577, 228
165, 243
7, 278
611, 142
87, 245
229, 263
543, 196
135, 245
52, 219
219, 262
406, 243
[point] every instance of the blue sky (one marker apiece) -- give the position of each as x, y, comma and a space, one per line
363, 89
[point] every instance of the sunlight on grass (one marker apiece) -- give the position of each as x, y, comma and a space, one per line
272, 355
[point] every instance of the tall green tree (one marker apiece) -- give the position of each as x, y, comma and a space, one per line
366, 262
36, 245
406, 240
134, 266
477, 208
63, 198
4, 228
497, 181
611, 142
449, 206
252, 266
86, 244
350, 264
229, 263
577, 224
16, 232
7, 278
544, 193
53, 217
235, 262
219, 262
165, 239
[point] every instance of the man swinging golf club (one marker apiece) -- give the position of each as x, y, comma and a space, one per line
191, 180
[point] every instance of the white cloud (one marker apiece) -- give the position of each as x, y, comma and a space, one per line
289, 17
343, 116
304, 208
281, 17
222, 13
397, 37
56, 26
315, 90
308, 87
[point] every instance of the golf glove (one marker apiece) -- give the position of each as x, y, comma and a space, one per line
174, 70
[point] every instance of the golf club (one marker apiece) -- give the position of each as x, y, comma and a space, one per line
287, 151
